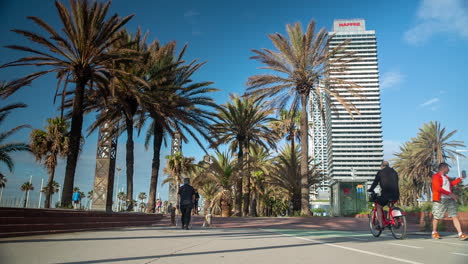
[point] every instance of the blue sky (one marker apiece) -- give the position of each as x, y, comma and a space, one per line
421, 48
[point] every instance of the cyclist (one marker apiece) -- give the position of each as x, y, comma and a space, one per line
387, 178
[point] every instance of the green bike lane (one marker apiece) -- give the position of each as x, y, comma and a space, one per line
229, 245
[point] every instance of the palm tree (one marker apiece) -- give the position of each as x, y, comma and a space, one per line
121, 99
142, 197
286, 175
54, 188
47, 146
177, 167
287, 126
7, 148
79, 55
303, 63
242, 123
175, 104
259, 165
418, 159
90, 198
221, 171
26, 187
121, 196
3, 180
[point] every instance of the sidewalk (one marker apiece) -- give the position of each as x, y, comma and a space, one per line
322, 223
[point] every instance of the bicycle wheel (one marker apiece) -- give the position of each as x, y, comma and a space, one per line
399, 228
373, 222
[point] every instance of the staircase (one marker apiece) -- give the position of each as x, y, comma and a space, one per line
27, 221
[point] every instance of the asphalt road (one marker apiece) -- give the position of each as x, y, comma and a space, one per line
240, 246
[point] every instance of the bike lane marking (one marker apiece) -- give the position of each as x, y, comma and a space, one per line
401, 245
346, 248
461, 254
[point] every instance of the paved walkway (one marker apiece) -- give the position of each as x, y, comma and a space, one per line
162, 244
328, 223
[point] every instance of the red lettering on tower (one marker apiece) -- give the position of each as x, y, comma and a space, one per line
349, 24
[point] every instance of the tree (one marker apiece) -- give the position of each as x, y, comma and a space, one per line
7, 148
177, 167
3, 180
287, 126
243, 122
47, 146
259, 166
221, 172
50, 190
90, 198
79, 55
303, 64
142, 197
26, 187
286, 173
121, 103
121, 196
175, 104
419, 158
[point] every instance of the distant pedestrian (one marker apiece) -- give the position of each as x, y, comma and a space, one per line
444, 200
185, 201
76, 198
195, 204
158, 205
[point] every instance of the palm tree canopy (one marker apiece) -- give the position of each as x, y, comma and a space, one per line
27, 186
178, 167
172, 98
53, 142
303, 66
243, 121
7, 148
81, 51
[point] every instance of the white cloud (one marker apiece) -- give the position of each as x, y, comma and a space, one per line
430, 102
391, 79
439, 16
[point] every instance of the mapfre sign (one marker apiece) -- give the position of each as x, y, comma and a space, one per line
349, 24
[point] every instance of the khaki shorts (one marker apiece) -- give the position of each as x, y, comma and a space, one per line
445, 205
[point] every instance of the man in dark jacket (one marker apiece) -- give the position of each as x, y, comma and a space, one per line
186, 199
387, 178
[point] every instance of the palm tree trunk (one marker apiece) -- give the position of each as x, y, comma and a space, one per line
75, 140
238, 196
304, 158
25, 199
48, 195
129, 162
246, 190
157, 142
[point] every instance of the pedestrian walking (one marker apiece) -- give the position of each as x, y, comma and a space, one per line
185, 201
444, 200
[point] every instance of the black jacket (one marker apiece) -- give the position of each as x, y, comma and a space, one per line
387, 178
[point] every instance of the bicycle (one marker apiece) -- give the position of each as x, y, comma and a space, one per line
394, 219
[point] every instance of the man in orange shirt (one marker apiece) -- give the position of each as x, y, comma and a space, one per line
444, 200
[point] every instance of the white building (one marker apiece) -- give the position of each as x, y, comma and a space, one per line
354, 147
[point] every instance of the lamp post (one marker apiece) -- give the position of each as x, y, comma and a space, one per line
40, 193
117, 188
458, 162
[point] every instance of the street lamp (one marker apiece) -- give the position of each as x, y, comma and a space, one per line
117, 189
458, 162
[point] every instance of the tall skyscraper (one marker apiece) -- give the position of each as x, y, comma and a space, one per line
354, 147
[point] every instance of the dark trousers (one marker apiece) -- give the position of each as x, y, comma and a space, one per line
186, 212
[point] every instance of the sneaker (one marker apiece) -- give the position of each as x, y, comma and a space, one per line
435, 235
463, 237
